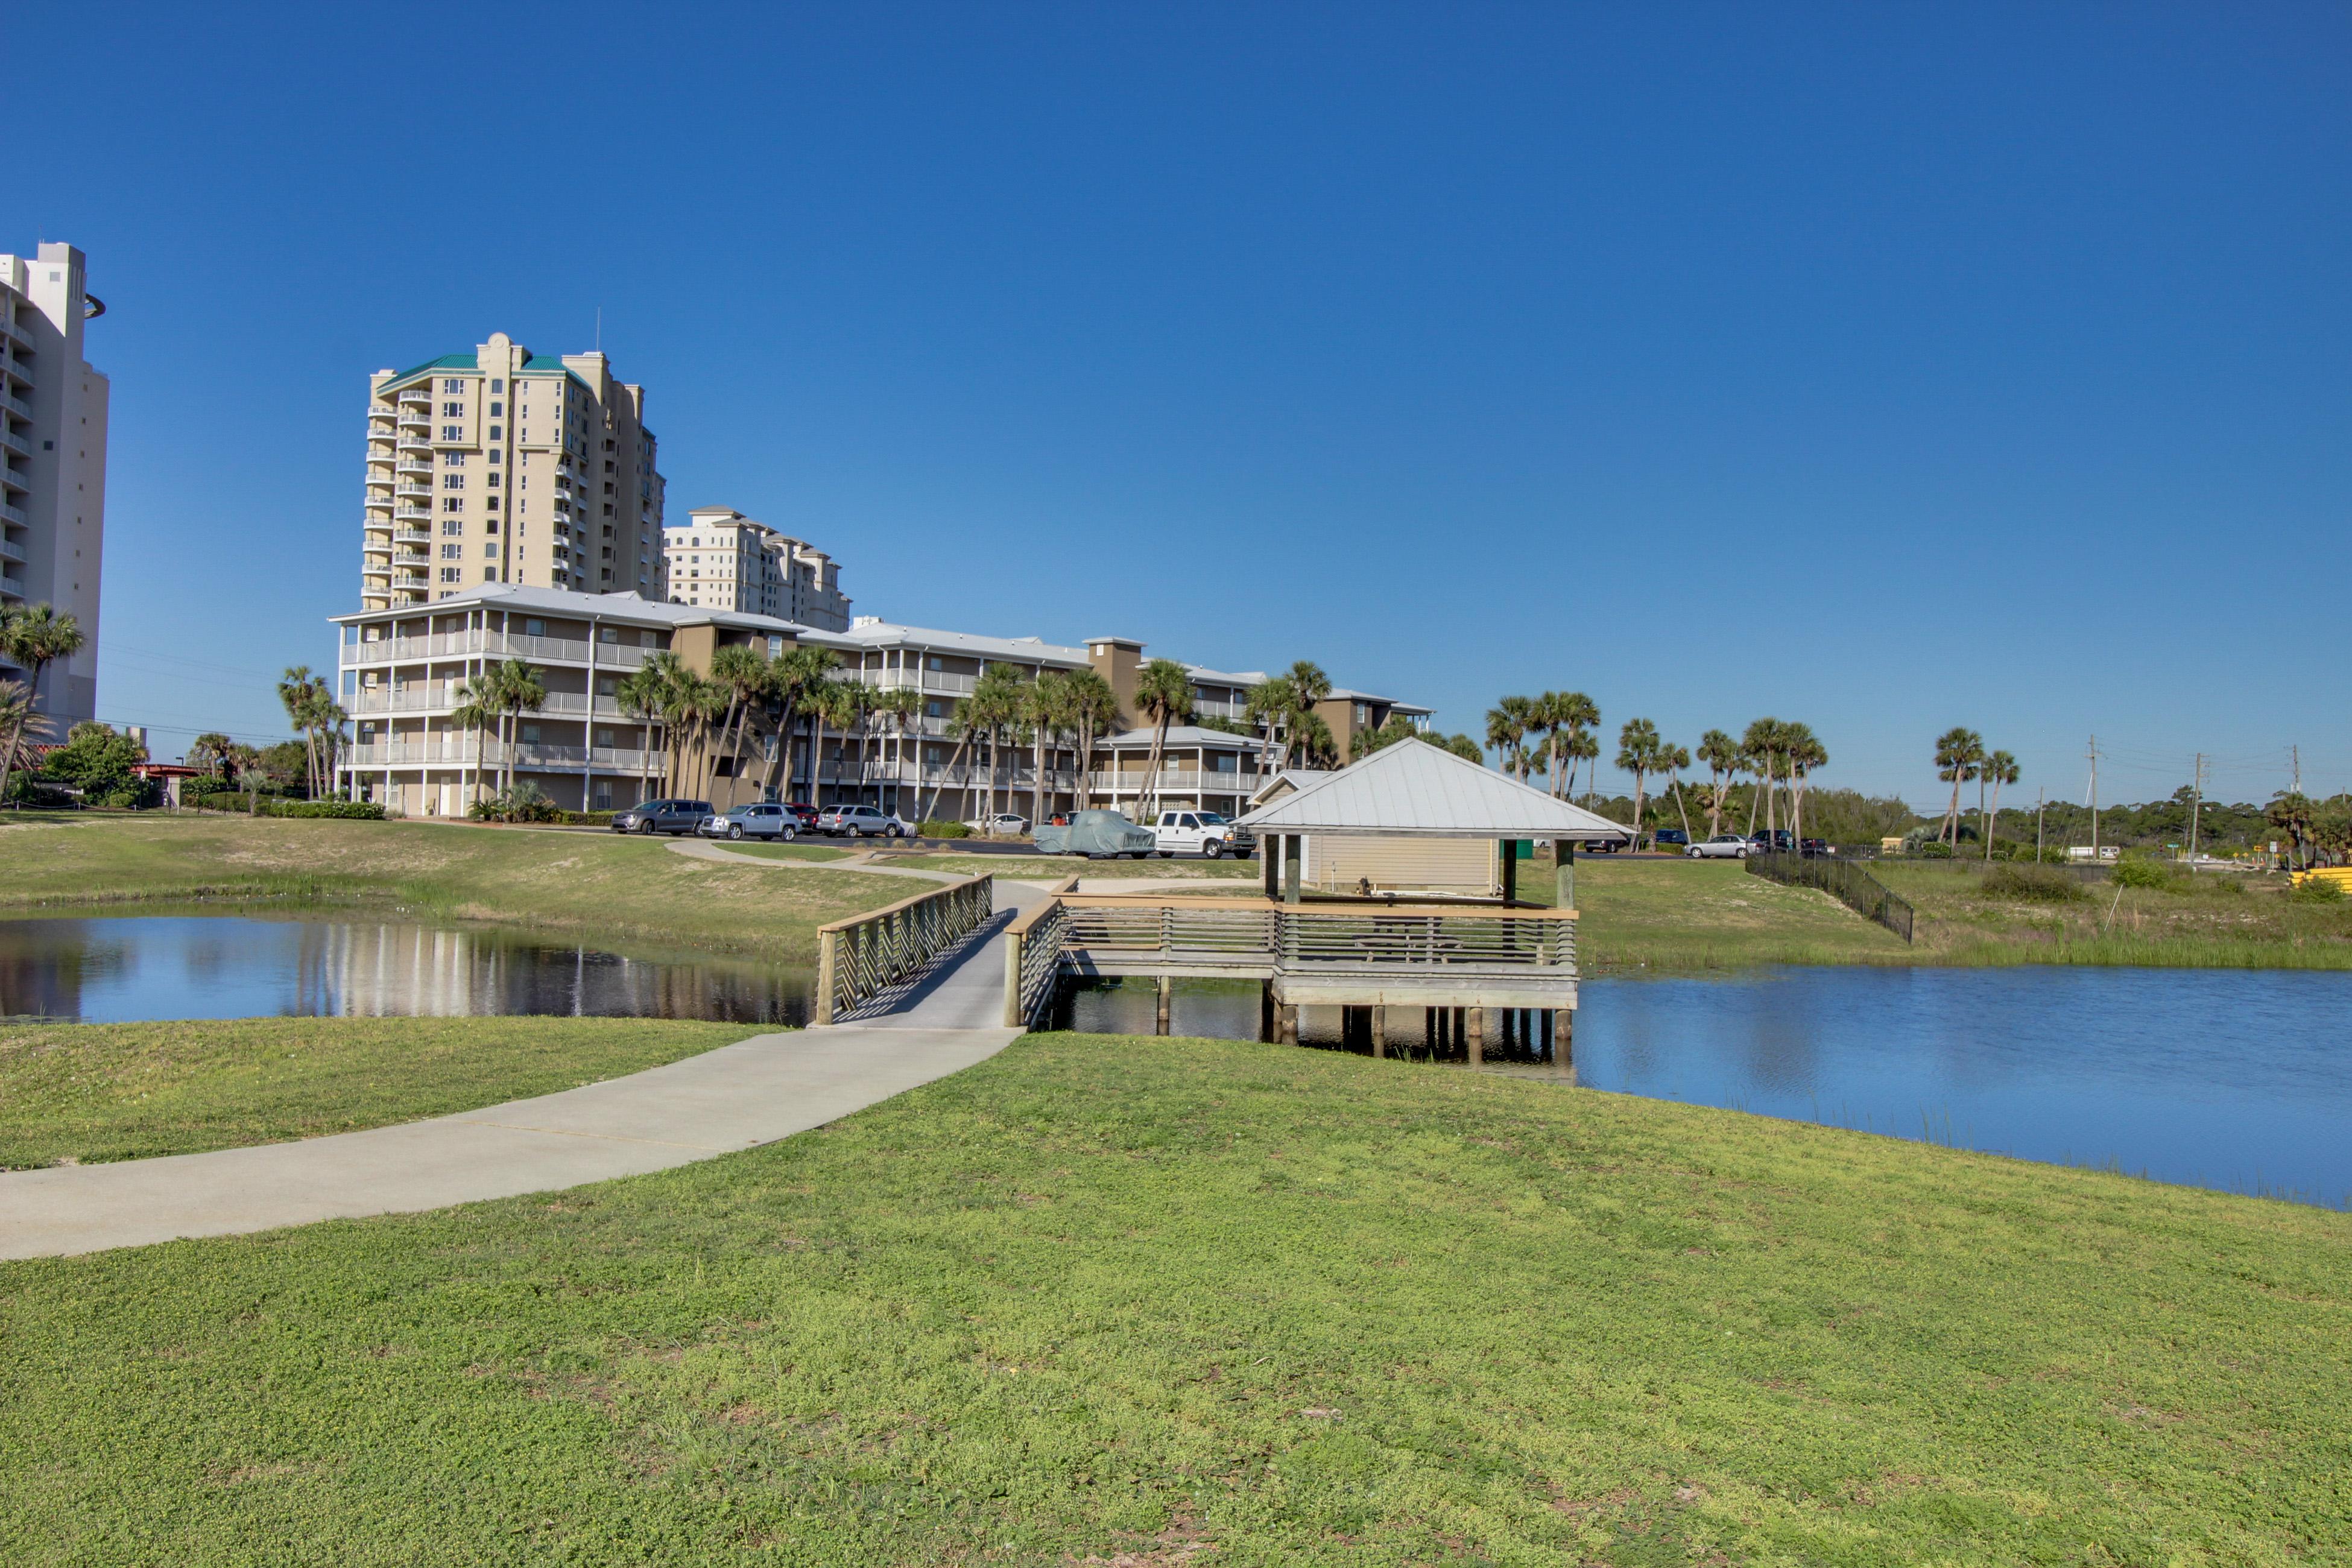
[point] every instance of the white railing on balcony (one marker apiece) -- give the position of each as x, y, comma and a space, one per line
14, 514
453, 644
14, 443
461, 753
14, 405
1189, 780
9, 552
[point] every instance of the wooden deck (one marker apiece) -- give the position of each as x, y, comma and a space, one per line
1347, 954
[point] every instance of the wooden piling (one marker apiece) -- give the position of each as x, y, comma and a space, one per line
1167, 987
1380, 1030
1475, 1038
1563, 1036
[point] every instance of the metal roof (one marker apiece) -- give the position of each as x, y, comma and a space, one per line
1028, 650
1414, 790
1185, 736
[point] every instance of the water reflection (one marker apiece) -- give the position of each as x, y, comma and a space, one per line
212, 966
2236, 1079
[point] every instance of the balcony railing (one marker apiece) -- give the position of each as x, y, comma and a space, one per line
13, 442
453, 644
1188, 781
461, 751
10, 550
14, 405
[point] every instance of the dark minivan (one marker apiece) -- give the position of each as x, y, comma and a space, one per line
673, 816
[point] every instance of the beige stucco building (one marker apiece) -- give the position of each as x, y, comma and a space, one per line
503, 466
53, 413
719, 559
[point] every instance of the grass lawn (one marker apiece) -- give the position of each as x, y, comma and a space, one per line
86, 1092
1681, 917
1211, 1302
602, 885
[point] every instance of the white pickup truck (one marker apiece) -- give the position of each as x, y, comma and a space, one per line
1205, 832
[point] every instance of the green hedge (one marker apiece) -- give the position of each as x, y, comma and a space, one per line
941, 830
352, 810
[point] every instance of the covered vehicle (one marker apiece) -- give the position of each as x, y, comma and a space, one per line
1098, 835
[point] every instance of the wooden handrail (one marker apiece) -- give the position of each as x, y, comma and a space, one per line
846, 923
1364, 910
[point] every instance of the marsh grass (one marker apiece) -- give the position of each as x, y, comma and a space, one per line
88, 1092
1199, 1301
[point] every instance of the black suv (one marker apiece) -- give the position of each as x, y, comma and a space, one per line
1770, 841
671, 817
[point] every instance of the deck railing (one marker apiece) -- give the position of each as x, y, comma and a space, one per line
861, 957
1456, 946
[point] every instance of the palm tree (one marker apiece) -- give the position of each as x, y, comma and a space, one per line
1465, 747
840, 706
1269, 705
209, 752
992, 708
1637, 753
1507, 726
1671, 761
1047, 712
1313, 738
18, 720
894, 706
2000, 769
1163, 694
476, 708
792, 677
742, 670
1805, 752
295, 694
36, 636
1722, 756
1559, 712
1760, 746
638, 696
1958, 753
1094, 709
1308, 685
521, 689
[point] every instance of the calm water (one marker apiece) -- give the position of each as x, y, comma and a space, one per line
2235, 1080
222, 966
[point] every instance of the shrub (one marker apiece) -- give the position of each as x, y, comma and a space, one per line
1931, 850
928, 830
2040, 883
585, 818
2138, 872
523, 801
348, 810
2318, 891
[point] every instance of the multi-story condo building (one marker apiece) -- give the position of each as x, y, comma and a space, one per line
401, 670
52, 463
719, 559
504, 465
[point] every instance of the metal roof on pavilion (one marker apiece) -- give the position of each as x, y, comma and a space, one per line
1412, 789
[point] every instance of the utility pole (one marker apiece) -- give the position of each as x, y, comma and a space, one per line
2196, 804
2296, 753
2094, 754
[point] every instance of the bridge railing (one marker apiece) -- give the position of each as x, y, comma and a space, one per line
859, 958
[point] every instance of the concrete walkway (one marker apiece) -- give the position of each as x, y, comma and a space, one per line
752, 1092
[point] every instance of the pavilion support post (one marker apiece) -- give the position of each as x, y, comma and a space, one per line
1564, 878
1270, 852
1265, 1028
1474, 1037
1167, 986
1293, 861
1380, 1030
1511, 848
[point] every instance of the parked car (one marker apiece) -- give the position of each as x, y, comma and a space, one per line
764, 820
1208, 833
1722, 846
804, 813
1098, 835
1670, 838
672, 816
1601, 846
1813, 849
1004, 824
861, 822
1770, 841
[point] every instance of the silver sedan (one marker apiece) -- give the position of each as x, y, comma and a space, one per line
1722, 846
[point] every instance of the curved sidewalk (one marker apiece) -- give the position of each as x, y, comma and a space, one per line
737, 1097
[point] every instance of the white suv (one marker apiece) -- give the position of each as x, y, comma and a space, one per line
1201, 833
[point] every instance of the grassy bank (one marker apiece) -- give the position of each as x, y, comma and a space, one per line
1682, 917
1055, 867
1199, 1301
86, 1092
598, 885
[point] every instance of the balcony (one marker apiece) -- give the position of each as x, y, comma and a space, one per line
465, 752
11, 441
412, 536
409, 444
421, 416
11, 551
14, 334
14, 405
408, 464
413, 492
412, 513
15, 514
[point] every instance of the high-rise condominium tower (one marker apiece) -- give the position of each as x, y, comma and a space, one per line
722, 560
504, 465
52, 463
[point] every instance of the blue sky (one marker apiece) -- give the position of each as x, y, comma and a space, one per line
1883, 368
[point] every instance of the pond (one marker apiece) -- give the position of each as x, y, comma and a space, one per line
2236, 1079
226, 966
